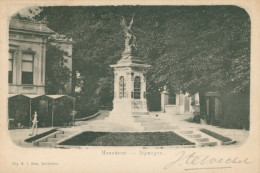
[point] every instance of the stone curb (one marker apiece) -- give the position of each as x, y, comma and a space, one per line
229, 142
87, 118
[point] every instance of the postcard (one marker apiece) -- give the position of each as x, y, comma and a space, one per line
158, 86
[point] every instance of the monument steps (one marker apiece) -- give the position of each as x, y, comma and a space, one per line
200, 139
46, 144
209, 144
159, 128
53, 139
194, 136
112, 127
155, 123
61, 135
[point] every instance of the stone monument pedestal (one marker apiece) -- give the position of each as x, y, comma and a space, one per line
129, 91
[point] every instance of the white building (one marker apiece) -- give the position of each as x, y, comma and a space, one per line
26, 76
27, 56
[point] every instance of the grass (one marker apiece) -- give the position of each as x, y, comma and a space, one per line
127, 139
34, 138
216, 135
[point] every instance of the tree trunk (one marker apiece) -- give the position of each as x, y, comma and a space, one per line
203, 108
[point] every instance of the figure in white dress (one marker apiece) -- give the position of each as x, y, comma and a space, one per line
34, 126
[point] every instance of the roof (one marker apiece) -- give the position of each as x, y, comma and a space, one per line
59, 96
31, 96
55, 96
12, 95
29, 26
61, 38
25, 95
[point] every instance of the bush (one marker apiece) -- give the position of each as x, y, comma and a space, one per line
22, 120
197, 117
86, 111
62, 116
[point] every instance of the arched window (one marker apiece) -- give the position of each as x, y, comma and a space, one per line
137, 87
121, 87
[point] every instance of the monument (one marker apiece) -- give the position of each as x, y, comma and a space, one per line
129, 81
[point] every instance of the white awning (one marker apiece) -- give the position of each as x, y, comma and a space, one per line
32, 95
12, 95
59, 96
55, 96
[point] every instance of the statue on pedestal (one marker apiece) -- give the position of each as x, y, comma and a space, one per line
130, 39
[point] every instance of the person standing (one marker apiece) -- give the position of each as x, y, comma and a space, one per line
34, 121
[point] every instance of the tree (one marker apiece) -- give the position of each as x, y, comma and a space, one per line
57, 75
191, 49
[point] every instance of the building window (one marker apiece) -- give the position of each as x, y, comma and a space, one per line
27, 68
10, 67
121, 87
137, 87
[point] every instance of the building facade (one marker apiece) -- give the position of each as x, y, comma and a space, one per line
28, 41
27, 56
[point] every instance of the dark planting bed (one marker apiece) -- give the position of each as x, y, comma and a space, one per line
34, 138
216, 135
127, 139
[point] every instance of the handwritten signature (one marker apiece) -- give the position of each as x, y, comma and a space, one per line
195, 159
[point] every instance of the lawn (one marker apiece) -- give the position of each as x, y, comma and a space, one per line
127, 139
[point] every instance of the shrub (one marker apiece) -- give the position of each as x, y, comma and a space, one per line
86, 111
196, 117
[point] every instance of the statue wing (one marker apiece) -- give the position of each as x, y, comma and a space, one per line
123, 23
132, 21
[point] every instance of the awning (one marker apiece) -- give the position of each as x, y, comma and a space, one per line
31, 96
12, 95
55, 96
60, 96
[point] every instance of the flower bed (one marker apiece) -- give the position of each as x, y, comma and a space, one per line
127, 139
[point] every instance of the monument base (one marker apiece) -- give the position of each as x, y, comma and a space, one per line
124, 119
129, 107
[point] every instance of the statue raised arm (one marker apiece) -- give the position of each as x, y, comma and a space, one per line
130, 39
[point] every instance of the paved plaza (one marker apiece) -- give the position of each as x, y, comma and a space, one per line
173, 122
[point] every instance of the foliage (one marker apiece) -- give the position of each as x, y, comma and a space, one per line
105, 92
86, 111
191, 49
57, 75
196, 117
